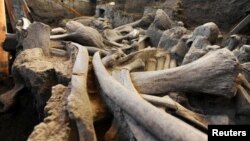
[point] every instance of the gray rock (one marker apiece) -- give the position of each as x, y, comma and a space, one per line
161, 23
232, 42
243, 54
171, 37
197, 50
208, 30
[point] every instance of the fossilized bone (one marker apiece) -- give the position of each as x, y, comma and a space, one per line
111, 60
58, 30
161, 58
81, 34
115, 34
132, 128
143, 54
33, 35
169, 103
79, 106
244, 92
111, 34
151, 64
232, 42
135, 38
23, 24
215, 73
92, 50
243, 54
137, 44
58, 52
153, 58
131, 35
158, 123
167, 61
161, 23
144, 22
246, 70
243, 81
101, 24
172, 36
180, 49
243, 96
197, 50
244, 85
172, 63
243, 101
142, 42
113, 43
37, 37
208, 30
85, 20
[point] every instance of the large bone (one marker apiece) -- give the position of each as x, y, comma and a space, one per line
171, 36
115, 34
179, 51
208, 30
243, 101
101, 24
58, 30
123, 124
122, 75
158, 123
243, 54
215, 73
81, 34
37, 36
169, 103
246, 70
232, 42
161, 23
144, 22
115, 38
243, 80
197, 50
79, 106
91, 50
181, 97
131, 35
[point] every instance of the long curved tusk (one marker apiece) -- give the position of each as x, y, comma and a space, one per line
160, 124
79, 106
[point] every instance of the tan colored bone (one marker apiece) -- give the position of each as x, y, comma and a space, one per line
215, 73
158, 123
79, 106
169, 103
122, 75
